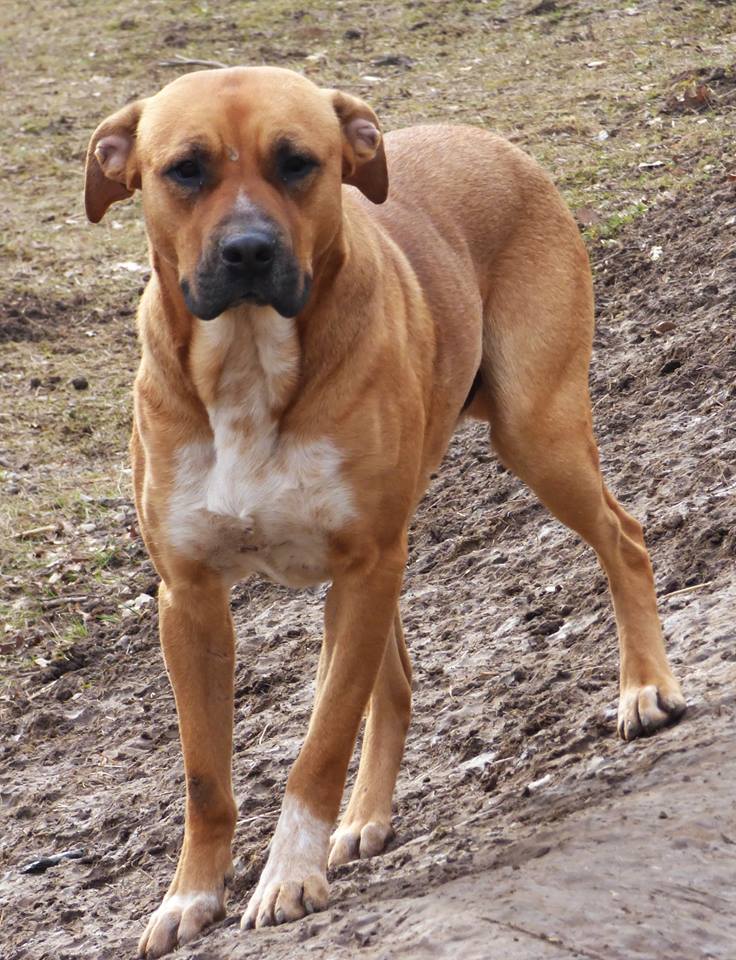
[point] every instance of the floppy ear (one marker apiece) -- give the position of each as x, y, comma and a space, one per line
111, 172
363, 156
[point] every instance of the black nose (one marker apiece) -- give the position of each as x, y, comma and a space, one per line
250, 253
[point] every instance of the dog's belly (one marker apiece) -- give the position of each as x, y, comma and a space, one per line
241, 513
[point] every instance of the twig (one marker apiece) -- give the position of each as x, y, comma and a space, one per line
258, 816
34, 532
695, 586
180, 61
60, 601
44, 689
602, 263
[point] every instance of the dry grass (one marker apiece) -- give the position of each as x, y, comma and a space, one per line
582, 88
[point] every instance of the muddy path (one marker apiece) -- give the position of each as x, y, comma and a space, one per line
524, 828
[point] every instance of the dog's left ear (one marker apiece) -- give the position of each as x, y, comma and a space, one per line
111, 172
363, 156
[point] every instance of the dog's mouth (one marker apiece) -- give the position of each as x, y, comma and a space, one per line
288, 301
218, 287
251, 296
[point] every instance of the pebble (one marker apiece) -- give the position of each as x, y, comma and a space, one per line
538, 784
480, 762
595, 764
137, 604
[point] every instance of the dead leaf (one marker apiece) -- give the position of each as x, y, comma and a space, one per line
587, 217
694, 96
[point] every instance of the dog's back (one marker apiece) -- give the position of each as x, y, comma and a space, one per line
468, 190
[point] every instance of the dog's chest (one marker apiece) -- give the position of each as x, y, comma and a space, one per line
252, 500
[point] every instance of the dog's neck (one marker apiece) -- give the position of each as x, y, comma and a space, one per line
251, 355
247, 360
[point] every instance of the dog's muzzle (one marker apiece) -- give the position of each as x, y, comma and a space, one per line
249, 264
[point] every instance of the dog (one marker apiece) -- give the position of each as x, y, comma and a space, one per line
310, 342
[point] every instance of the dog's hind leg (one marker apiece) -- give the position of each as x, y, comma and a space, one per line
535, 394
366, 824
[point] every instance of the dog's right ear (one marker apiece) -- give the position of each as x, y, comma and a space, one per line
112, 172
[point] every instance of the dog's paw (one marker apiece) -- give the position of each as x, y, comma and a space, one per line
643, 709
294, 880
285, 900
358, 840
180, 918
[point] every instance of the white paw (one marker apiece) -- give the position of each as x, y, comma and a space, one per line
293, 882
282, 901
180, 918
644, 709
357, 841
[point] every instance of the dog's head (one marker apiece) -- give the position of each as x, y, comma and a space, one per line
240, 173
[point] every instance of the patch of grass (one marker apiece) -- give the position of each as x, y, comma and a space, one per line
108, 557
611, 226
75, 630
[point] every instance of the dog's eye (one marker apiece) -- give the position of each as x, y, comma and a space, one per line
189, 173
295, 166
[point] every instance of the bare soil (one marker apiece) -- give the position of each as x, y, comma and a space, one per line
524, 829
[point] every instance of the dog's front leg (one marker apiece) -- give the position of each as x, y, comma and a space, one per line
198, 646
358, 618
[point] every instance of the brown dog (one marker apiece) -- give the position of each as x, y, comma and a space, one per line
306, 358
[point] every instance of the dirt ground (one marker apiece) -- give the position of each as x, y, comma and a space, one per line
525, 830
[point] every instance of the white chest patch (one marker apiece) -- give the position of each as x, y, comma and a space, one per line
251, 499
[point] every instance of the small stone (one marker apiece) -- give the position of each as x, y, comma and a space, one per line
595, 764
80, 383
539, 784
479, 762
394, 60
665, 327
663, 815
